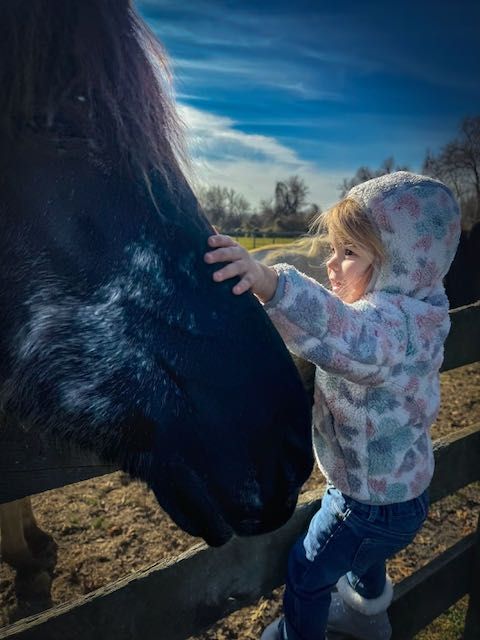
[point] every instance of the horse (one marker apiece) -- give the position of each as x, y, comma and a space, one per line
113, 335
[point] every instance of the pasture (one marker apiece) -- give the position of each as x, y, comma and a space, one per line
255, 242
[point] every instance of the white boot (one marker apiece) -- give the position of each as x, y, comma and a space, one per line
276, 631
354, 616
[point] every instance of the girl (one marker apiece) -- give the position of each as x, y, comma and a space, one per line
377, 342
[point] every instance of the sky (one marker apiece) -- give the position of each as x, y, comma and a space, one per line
316, 89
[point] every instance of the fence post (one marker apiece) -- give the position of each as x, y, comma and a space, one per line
472, 620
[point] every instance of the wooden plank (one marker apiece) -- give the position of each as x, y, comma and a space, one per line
457, 462
472, 621
463, 342
34, 464
431, 590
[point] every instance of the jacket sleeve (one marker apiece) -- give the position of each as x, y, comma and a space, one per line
359, 341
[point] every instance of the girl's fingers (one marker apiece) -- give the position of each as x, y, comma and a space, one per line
227, 250
244, 285
230, 271
226, 254
220, 240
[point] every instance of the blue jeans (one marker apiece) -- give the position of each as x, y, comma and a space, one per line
345, 537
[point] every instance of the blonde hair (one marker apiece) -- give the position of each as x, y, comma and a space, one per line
348, 223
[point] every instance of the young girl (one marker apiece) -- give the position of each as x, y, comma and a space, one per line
377, 340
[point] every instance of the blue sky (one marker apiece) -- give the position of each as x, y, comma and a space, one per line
270, 89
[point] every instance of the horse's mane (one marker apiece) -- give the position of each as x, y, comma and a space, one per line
89, 69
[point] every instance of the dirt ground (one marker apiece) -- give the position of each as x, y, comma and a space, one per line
108, 527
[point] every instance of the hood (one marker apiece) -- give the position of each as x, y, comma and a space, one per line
419, 223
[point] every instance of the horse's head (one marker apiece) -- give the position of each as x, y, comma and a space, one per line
116, 338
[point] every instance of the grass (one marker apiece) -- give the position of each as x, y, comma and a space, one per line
448, 626
261, 242
99, 523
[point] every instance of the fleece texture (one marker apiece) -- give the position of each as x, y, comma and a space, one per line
378, 359
367, 606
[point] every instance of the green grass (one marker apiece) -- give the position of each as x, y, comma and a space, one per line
261, 242
99, 523
448, 626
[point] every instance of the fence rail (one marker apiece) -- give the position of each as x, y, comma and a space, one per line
176, 600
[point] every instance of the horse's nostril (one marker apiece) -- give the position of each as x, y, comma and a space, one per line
250, 523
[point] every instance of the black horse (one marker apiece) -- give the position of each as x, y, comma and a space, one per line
462, 282
114, 336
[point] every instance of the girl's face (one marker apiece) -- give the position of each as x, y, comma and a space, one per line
349, 270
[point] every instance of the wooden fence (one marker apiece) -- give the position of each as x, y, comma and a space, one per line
175, 600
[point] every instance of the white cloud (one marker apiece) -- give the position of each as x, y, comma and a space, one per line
216, 136
250, 163
222, 71
202, 35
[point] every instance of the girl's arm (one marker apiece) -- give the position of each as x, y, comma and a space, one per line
356, 341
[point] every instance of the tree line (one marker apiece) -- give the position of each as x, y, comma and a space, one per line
289, 210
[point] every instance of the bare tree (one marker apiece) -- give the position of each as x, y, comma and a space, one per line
225, 208
236, 204
290, 196
289, 210
458, 165
444, 169
364, 173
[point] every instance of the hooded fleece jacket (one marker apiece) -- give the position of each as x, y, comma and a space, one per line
378, 359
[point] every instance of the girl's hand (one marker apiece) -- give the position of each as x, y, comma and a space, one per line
262, 280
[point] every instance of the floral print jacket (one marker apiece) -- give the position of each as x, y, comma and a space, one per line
378, 359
